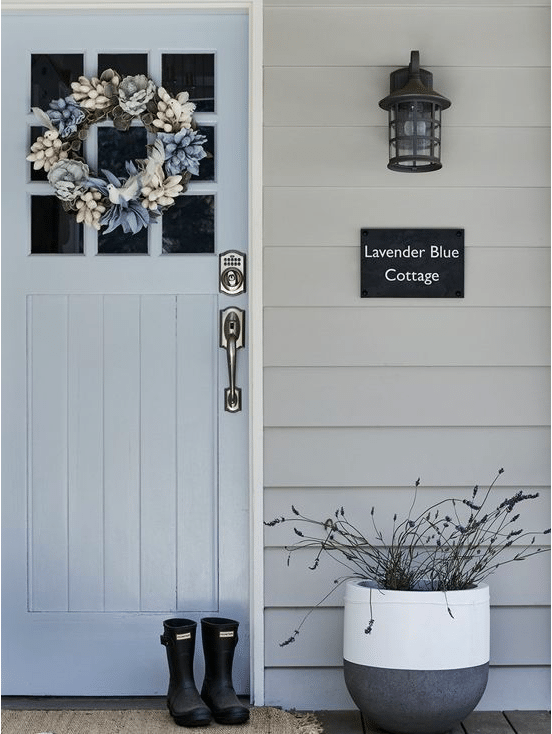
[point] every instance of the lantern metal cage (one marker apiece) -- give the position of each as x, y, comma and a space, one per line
414, 119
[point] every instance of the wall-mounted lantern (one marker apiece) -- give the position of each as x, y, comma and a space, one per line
414, 119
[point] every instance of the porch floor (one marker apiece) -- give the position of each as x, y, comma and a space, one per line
333, 722
480, 722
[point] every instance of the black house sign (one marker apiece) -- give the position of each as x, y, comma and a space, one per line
412, 263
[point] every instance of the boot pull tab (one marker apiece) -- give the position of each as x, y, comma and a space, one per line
169, 639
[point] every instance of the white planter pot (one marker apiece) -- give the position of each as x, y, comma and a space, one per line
420, 670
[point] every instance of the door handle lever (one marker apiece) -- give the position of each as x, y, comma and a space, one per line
232, 332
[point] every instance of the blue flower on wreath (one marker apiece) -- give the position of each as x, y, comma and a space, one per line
66, 115
126, 210
183, 151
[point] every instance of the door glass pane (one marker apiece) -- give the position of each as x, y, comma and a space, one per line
125, 64
207, 165
115, 147
119, 243
53, 230
51, 77
192, 73
189, 225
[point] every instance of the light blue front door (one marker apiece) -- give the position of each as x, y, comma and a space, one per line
125, 482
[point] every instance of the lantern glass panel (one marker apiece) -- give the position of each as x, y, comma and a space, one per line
414, 127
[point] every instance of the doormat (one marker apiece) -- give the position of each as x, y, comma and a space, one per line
263, 720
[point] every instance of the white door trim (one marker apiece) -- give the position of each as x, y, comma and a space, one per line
254, 9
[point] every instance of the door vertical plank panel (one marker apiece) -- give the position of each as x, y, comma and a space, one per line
197, 468
158, 419
85, 445
48, 453
122, 452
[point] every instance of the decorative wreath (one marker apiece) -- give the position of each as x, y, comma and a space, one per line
152, 183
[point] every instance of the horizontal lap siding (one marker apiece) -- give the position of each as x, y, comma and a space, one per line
407, 396
401, 3
332, 216
362, 396
406, 335
395, 457
521, 277
368, 36
335, 156
308, 90
296, 586
359, 501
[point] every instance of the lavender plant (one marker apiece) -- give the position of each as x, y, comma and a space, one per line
451, 545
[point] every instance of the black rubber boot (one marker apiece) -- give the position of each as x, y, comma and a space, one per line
220, 637
183, 699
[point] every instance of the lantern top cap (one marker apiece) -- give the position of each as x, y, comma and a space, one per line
413, 84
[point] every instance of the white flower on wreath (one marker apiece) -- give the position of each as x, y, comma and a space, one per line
161, 191
47, 150
173, 113
135, 92
94, 93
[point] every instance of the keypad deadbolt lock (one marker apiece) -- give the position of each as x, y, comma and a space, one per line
232, 272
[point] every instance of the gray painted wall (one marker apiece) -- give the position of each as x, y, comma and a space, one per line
363, 396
